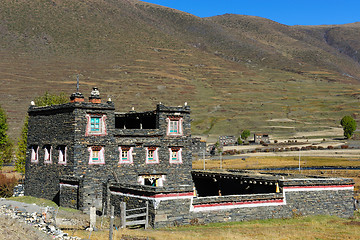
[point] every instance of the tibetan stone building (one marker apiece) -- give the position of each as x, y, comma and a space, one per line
76, 149
83, 154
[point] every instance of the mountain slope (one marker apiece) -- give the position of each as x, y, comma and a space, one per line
235, 71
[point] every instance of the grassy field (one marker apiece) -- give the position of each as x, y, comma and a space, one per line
277, 162
315, 227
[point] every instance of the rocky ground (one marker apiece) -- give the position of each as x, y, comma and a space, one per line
28, 221
15, 230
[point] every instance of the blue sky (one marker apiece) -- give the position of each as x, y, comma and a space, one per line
289, 12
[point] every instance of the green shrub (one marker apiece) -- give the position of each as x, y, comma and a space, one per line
349, 126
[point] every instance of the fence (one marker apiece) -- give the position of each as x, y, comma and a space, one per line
140, 217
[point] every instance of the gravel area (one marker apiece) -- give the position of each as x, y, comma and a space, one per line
28, 221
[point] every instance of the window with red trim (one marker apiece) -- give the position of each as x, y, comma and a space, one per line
175, 155
174, 127
125, 155
152, 155
96, 155
96, 125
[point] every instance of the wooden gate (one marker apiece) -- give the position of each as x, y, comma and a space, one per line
140, 217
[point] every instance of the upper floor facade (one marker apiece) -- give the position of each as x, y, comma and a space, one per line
89, 140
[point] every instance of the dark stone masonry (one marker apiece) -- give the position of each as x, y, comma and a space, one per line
83, 154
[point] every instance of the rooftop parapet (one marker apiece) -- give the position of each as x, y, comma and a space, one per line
72, 105
162, 108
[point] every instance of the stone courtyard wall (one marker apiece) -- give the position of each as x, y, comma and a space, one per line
173, 210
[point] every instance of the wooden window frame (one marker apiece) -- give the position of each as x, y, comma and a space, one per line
174, 120
102, 131
129, 157
155, 156
101, 155
178, 159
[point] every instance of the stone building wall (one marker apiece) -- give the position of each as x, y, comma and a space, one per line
68, 125
54, 126
93, 175
176, 175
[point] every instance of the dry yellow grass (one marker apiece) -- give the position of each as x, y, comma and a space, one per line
317, 227
276, 162
9, 172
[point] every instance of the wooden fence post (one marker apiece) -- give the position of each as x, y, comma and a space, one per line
92, 218
147, 215
111, 223
123, 214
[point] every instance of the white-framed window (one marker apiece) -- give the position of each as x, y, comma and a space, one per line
96, 155
175, 126
62, 154
125, 155
96, 125
152, 155
34, 151
152, 180
47, 153
175, 155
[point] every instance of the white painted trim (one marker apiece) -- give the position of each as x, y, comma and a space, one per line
103, 129
234, 206
68, 185
34, 154
64, 156
47, 154
316, 188
179, 157
154, 199
284, 202
179, 127
155, 159
129, 159
101, 157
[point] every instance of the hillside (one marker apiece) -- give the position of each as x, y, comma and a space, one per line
235, 71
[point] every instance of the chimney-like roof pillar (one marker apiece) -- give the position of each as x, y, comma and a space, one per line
77, 97
95, 96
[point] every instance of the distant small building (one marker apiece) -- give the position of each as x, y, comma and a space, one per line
227, 140
260, 137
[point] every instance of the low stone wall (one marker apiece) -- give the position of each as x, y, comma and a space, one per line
299, 197
237, 198
323, 200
